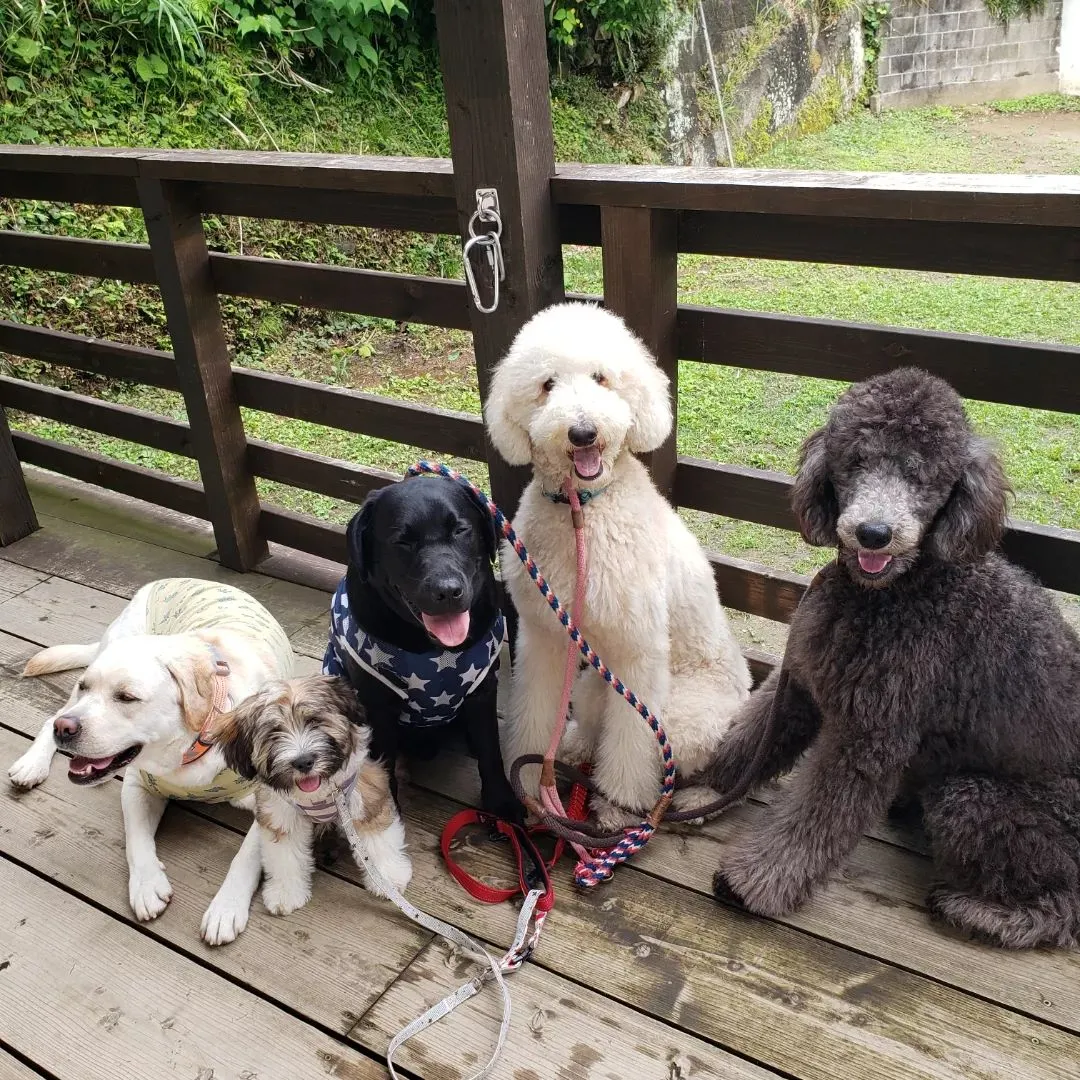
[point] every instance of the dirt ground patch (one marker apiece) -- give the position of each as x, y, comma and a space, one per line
1035, 142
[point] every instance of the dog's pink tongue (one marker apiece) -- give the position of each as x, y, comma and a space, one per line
451, 630
83, 766
587, 462
309, 783
873, 562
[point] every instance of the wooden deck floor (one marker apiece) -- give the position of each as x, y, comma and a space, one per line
644, 978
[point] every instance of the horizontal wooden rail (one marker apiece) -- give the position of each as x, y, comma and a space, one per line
401, 297
461, 434
1051, 554
313, 472
987, 369
304, 533
92, 258
78, 410
110, 359
147, 484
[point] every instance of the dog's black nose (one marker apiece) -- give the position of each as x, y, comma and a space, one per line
448, 589
873, 534
583, 433
65, 728
304, 762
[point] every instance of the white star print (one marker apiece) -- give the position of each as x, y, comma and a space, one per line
377, 655
416, 683
471, 675
345, 600
443, 699
446, 660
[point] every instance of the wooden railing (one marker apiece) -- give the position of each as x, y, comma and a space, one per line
1016, 226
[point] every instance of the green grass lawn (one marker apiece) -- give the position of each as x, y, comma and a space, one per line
731, 415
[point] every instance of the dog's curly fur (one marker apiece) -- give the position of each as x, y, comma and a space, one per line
651, 608
948, 678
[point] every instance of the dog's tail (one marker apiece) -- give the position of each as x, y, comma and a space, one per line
60, 658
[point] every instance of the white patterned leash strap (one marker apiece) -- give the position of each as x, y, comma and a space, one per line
525, 937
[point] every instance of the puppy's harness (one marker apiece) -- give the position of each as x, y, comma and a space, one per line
432, 685
322, 808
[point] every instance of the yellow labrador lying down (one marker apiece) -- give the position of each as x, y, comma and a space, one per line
181, 652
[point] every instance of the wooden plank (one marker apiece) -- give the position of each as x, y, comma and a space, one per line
1005, 199
141, 1008
256, 199
11, 1068
641, 284
757, 589
59, 612
1013, 251
304, 533
876, 905
554, 1031
441, 430
313, 472
83, 160
130, 363
401, 297
767, 992
17, 516
495, 76
15, 579
182, 262
1051, 553
79, 410
69, 188
146, 484
988, 369
90, 258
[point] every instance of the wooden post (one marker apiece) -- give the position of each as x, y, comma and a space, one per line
203, 370
495, 74
641, 285
17, 517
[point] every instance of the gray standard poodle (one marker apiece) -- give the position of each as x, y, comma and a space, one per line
922, 669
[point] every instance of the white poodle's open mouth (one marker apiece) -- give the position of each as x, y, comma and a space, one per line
873, 562
83, 770
588, 461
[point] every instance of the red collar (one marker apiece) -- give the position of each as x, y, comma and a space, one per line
219, 704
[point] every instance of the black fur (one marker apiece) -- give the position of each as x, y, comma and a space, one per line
404, 540
951, 678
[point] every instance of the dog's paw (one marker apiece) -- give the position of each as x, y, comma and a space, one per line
612, 818
503, 804
690, 798
149, 892
397, 869
282, 895
30, 770
575, 749
724, 892
760, 887
225, 919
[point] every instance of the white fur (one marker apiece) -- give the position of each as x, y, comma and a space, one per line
288, 836
130, 657
651, 608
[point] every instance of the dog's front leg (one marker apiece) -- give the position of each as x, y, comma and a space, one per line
845, 785
227, 915
288, 860
149, 890
627, 766
534, 696
481, 720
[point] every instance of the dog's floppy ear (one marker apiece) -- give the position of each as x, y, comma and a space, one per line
336, 694
234, 733
813, 497
193, 672
504, 427
358, 536
971, 522
646, 389
487, 529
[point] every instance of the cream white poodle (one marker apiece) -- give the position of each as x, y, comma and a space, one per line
578, 395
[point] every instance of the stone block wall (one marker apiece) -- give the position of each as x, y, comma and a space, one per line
954, 52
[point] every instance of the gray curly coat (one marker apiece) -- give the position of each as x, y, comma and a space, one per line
922, 668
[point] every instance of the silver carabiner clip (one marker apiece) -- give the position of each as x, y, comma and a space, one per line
490, 240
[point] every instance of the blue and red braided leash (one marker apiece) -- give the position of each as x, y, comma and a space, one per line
599, 862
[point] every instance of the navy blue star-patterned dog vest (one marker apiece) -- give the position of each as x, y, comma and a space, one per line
432, 685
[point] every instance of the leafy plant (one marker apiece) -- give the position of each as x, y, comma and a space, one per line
875, 17
1007, 10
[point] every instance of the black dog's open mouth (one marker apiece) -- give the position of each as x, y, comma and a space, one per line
874, 562
83, 770
588, 461
449, 629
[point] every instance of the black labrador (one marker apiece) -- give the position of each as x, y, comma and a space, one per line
417, 628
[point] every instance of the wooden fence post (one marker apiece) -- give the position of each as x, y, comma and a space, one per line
641, 284
495, 74
17, 517
203, 369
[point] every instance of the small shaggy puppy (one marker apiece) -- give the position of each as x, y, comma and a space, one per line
576, 397
300, 738
921, 666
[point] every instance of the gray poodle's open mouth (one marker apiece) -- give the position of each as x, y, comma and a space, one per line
873, 562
